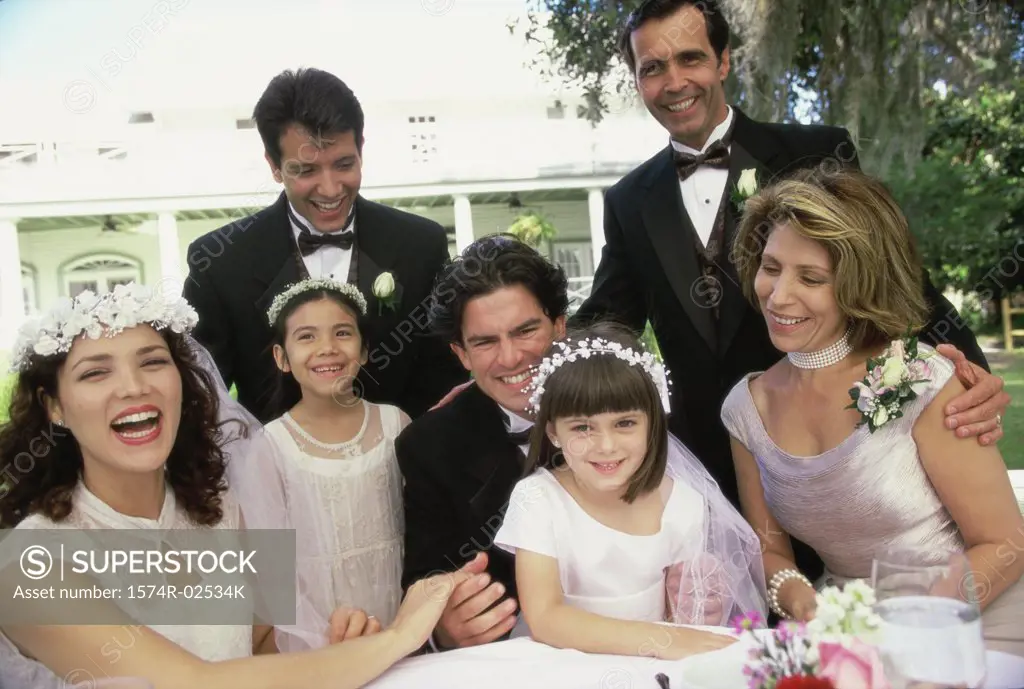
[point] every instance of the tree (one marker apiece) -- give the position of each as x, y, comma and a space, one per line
532, 228
965, 197
868, 65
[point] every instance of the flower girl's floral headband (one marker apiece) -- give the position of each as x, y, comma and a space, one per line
315, 285
95, 315
584, 349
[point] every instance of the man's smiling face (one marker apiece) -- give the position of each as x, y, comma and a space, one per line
505, 334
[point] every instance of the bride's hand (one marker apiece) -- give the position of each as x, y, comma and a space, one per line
349, 623
422, 607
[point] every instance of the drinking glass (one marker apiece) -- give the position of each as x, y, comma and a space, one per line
931, 619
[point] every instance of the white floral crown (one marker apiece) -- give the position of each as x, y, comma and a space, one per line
588, 347
93, 315
311, 285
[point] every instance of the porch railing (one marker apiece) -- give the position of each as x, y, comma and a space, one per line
579, 290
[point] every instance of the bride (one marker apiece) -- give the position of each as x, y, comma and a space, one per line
829, 260
125, 421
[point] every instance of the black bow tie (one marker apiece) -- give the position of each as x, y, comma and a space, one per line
520, 437
717, 155
309, 242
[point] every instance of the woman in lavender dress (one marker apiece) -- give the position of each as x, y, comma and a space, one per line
830, 262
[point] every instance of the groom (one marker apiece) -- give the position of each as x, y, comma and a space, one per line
501, 305
670, 222
312, 130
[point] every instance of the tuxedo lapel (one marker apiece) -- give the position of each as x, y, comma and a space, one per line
496, 462
671, 232
734, 304
752, 147
375, 244
276, 265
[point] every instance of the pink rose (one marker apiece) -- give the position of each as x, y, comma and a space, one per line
853, 666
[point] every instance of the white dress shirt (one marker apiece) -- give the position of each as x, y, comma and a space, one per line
327, 261
702, 191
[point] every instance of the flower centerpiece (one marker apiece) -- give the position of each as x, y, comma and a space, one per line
894, 379
836, 650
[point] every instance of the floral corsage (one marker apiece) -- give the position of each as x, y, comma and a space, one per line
893, 379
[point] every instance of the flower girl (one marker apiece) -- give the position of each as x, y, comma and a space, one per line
617, 527
343, 443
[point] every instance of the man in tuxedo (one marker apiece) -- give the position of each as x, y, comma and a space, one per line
501, 306
312, 130
670, 222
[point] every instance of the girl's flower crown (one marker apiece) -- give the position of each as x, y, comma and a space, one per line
312, 285
597, 346
93, 315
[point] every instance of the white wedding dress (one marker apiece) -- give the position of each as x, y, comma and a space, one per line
209, 642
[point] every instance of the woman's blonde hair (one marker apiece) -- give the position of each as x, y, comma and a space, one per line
878, 272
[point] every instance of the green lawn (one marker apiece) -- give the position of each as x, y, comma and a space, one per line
1010, 366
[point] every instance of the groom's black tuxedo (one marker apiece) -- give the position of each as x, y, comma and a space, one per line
460, 466
651, 269
236, 271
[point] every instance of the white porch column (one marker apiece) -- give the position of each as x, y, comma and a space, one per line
463, 222
595, 202
12, 297
170, 252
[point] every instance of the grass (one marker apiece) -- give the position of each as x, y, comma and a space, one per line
1008, 365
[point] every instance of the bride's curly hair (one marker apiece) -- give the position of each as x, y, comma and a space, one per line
40, 462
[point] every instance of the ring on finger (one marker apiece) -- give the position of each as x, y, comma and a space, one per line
999, 420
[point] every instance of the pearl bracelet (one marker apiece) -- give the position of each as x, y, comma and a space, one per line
781, 577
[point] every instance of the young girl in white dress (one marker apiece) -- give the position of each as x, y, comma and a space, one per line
617, 528
343, 444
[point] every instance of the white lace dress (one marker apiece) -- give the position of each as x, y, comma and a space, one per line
209, 642
358, 485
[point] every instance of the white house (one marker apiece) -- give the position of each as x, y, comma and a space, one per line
126, 157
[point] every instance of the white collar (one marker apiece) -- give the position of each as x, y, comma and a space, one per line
87, 501
300, 224
716, 134
516, 423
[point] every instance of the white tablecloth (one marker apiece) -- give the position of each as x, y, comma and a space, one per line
525, 664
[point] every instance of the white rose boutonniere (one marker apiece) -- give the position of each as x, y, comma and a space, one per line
384, 290
746, 186
893, 379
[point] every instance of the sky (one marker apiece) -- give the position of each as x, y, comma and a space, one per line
84, 63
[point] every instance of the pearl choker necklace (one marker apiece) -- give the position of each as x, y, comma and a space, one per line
834, 353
